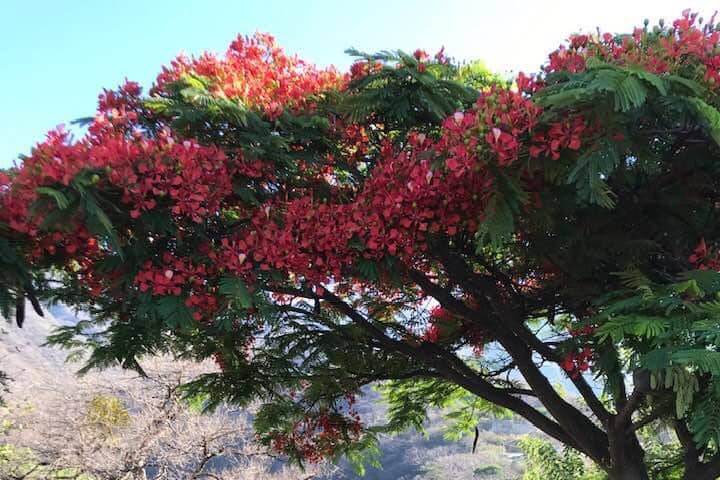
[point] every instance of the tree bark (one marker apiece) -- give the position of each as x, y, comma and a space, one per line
694, 468
627, 457
632, 470
703, 471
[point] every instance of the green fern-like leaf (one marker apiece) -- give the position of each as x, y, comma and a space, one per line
173, 311
235, 289
60, 199
590, 172
709, 116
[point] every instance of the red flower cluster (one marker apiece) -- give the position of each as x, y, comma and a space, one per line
566, 60
560, 135
438, 316
307, 239
528, 84
355, 142
703, 259
507, 116
319, 435
54, 161
575, 363
363, 68
193, 178
443, 324
406, 198
421, 56
660, 51
177, 276
79, 244
459, 142
127, 95
582, 331
171, 277
257, 72
403, 201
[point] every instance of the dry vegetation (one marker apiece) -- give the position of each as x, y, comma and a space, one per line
118, 425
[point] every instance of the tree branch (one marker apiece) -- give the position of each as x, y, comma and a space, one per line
624, 416
458, 269
584, 432
454, 370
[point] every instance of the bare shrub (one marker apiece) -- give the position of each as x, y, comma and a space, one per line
117, 425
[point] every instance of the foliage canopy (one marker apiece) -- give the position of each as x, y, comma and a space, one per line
317, 232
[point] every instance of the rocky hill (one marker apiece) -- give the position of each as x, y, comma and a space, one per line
40, 372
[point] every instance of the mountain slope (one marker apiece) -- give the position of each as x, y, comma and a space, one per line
34, 368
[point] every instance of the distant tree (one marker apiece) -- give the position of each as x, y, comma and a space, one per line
316, 232
4, 385
128, 427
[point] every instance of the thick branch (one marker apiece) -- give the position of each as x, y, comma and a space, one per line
705, 471
481, 287
437, 358
633, 402
584, 432
691, 454
451, 367
645, 421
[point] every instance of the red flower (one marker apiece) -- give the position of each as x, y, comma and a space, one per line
421, 55
575, 363
699, 254
561, 135
255, 70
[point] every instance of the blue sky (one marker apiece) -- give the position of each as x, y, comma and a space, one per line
56, 56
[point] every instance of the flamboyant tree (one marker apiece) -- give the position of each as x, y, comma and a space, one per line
412, 222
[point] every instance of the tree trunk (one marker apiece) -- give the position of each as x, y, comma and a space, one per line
703, 471
631, 470
627, 458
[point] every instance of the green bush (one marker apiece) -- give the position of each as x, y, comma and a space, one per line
107, 412
544, 462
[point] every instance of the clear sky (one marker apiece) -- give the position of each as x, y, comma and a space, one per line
56, 55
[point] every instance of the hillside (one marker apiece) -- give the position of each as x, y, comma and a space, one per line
41, 380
